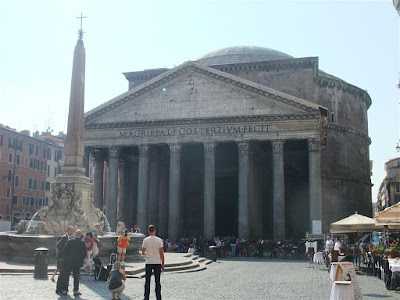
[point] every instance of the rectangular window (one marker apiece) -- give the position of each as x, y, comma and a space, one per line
8, 210
10, 157
18, 159
31, 149
1, 140
8, 193
40, 202
42, 185
55, 171
32, 201
397, 187
15, 199
37, 151
16, 183
31, 163
47, 186
48, 153
48, 171
396, 199
30, 183
23, 200
35, 184
37, 164
19, 145
44, 153
11, 143
47, 201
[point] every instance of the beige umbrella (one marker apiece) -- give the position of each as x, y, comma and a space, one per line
389, 217
354, 223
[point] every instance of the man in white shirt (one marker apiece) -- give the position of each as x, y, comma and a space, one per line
328, 244
338, 244
152, 248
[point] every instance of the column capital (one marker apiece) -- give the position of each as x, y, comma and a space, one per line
243, 148
277, 147
175, 150
209, 148
313, 145
114, 151
144, 150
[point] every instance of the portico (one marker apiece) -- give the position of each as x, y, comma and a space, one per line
226, 169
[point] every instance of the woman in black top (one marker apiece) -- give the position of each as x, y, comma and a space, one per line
116, 280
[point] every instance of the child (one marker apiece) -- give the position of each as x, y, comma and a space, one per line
89, 248
123, 242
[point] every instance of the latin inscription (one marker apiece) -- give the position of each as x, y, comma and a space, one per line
185, 131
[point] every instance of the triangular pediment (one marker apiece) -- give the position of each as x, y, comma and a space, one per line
193, 91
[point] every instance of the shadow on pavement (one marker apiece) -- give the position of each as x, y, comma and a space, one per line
99, 287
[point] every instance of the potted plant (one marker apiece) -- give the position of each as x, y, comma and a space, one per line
395, 248
388, 252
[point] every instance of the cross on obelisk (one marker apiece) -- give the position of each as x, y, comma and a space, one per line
80, 33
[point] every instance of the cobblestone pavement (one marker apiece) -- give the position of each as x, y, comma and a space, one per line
239, 278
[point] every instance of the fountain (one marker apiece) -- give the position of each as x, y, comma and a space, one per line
72, 198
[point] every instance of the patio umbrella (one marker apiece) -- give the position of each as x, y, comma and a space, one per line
389, 217
354, 223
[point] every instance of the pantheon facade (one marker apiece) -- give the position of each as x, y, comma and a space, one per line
244, 141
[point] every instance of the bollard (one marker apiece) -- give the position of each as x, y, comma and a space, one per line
41, 262
212, 253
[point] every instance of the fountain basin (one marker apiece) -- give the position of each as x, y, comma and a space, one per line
21, 247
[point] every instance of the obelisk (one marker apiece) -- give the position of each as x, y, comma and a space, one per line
74, 146
72, 200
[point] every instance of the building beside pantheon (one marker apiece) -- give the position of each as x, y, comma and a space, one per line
244, 141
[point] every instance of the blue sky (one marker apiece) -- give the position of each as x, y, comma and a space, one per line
357, 41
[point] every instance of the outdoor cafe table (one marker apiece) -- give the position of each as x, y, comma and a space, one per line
342, 290
333, 270
318, 258
394, 265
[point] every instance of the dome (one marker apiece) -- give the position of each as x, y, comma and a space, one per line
241, 54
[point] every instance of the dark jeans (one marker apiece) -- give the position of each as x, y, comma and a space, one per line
63, 278
157, 272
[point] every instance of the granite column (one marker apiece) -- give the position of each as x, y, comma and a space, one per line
121, 191
314, 173
209, 190
278, 187
112, 186
244, 197
153, 187
98, 179
143, 187
174, 219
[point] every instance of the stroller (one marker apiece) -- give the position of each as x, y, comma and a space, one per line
102, 272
